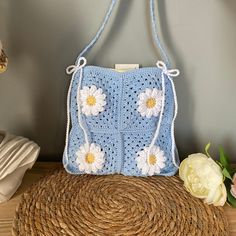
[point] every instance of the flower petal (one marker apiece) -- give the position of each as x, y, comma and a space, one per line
93, 109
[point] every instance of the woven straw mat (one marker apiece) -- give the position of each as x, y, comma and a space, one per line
64, 204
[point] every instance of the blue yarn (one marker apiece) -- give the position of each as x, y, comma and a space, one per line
154, 32
120, 130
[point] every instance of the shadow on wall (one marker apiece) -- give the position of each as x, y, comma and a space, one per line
184, 133
228, 144
231, 5
120, 19
35, 32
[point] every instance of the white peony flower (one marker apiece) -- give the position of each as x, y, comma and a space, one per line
92, 100
149, 103
153, 163
90, 158
203, 178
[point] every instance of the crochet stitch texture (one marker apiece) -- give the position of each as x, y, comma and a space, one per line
120, 130
121, 122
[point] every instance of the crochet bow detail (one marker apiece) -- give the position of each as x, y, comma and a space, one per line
79, 64
172, 72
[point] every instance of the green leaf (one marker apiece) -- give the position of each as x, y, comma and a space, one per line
219, 164
231, 170
226, 173
207, 148
231, 199
224, 160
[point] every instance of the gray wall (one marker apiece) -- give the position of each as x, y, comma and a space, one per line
43, 37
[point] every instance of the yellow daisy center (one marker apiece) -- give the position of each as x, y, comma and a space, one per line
90, 158
151, 102
91, 100
152, 159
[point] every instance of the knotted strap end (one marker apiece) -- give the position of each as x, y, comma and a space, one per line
163, 67
81, 62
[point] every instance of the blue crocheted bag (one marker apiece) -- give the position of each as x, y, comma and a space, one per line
122, 122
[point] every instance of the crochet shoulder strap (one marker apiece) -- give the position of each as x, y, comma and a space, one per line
154, 32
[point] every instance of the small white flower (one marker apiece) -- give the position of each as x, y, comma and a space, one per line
92, 100
90, 158
151, 163
149, 103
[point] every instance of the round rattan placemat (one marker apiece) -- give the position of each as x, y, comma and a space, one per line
64, 204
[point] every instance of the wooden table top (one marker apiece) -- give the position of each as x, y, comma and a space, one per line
7, 209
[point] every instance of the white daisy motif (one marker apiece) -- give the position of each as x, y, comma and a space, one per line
149, 103
90, 158
92, 100
151, 163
